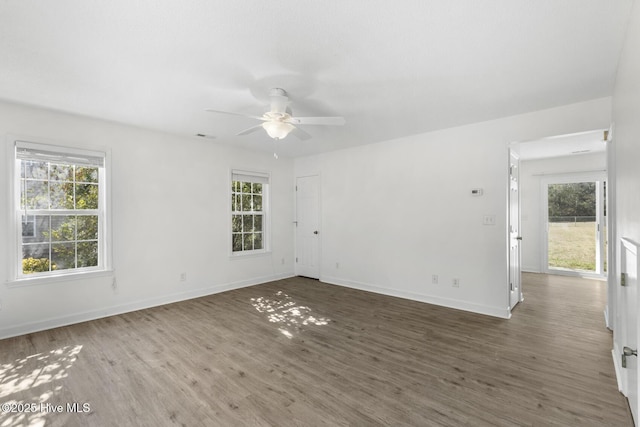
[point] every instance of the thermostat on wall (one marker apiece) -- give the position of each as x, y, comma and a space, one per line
476, 191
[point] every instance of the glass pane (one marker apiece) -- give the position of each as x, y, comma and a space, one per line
35, 229
28, 227
572, 226
237, 242
63, 228
247, 223
246, 202
63, 255
61, 172
234, 203
248, 242
87, 227
236, 223
257, 203
246, 187
37, 196
35, 259
257, 188
257, 242
86, 196
61, 195
35, 251
235, 186
86, 174
257, 223
35, 170
87, 254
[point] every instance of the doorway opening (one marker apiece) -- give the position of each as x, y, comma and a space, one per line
560, 166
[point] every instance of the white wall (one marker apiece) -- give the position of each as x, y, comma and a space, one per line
170, 203
397, 212
626, 144
626, 114
531, 173
394, 213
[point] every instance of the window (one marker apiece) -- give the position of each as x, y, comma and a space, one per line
249, 210
60, 210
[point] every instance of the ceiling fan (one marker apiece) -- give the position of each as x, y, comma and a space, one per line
279, 120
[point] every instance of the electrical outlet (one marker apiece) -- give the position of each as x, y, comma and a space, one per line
456, 283
434, 279
183, 277
114, 284
337, 266
282, 261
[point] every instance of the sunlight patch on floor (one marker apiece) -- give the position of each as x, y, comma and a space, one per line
285, 311
40, 371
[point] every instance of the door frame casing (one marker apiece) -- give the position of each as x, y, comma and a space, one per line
612, 250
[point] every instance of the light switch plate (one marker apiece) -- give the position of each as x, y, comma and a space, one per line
489, 220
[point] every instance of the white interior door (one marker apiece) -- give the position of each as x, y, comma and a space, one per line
515, 291
307, 226
629, 305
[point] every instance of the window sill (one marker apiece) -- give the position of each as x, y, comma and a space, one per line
29, 281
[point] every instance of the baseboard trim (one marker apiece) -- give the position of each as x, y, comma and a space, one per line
56, 322
429, 299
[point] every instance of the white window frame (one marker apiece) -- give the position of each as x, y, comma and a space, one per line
258, 177
16, 275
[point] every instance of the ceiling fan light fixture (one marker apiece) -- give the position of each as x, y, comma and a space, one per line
277, 129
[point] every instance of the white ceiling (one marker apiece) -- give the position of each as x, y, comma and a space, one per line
564, 145
390, 68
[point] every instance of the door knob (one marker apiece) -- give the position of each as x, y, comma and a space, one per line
315, 232
519, 238
626, 352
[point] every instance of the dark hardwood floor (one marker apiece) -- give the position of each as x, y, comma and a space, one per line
300, 352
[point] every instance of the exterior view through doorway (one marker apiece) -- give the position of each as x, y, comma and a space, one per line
574, 213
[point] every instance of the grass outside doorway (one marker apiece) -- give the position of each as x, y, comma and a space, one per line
572, 245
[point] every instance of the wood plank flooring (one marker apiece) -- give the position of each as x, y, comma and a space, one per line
298, 352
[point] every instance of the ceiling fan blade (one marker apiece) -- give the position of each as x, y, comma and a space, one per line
250, 130
300, 134
211, 110
332, 121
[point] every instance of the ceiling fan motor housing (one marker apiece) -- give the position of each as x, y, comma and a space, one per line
279, 100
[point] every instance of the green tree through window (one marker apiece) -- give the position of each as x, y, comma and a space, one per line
61, 212
248, 212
